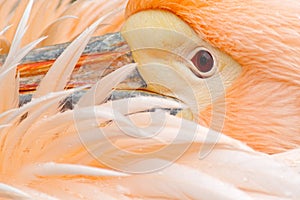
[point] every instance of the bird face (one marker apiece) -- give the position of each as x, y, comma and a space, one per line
228, 61
174, 61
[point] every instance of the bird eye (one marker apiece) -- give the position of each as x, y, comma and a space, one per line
204, 62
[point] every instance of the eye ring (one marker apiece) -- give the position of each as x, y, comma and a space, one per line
204, 64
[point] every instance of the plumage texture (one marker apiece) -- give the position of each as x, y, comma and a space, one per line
52, 155
262, 106
59, 20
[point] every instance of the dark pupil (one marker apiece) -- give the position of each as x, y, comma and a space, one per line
203, 60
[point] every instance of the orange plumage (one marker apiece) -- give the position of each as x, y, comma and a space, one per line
77, 154
262, 106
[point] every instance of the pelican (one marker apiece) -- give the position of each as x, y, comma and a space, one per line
210, 108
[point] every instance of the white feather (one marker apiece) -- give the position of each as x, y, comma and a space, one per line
60, 169
184, 183
5, 29
9, 84
100, 91
290, 158
7, 191
57, 76
13, 135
